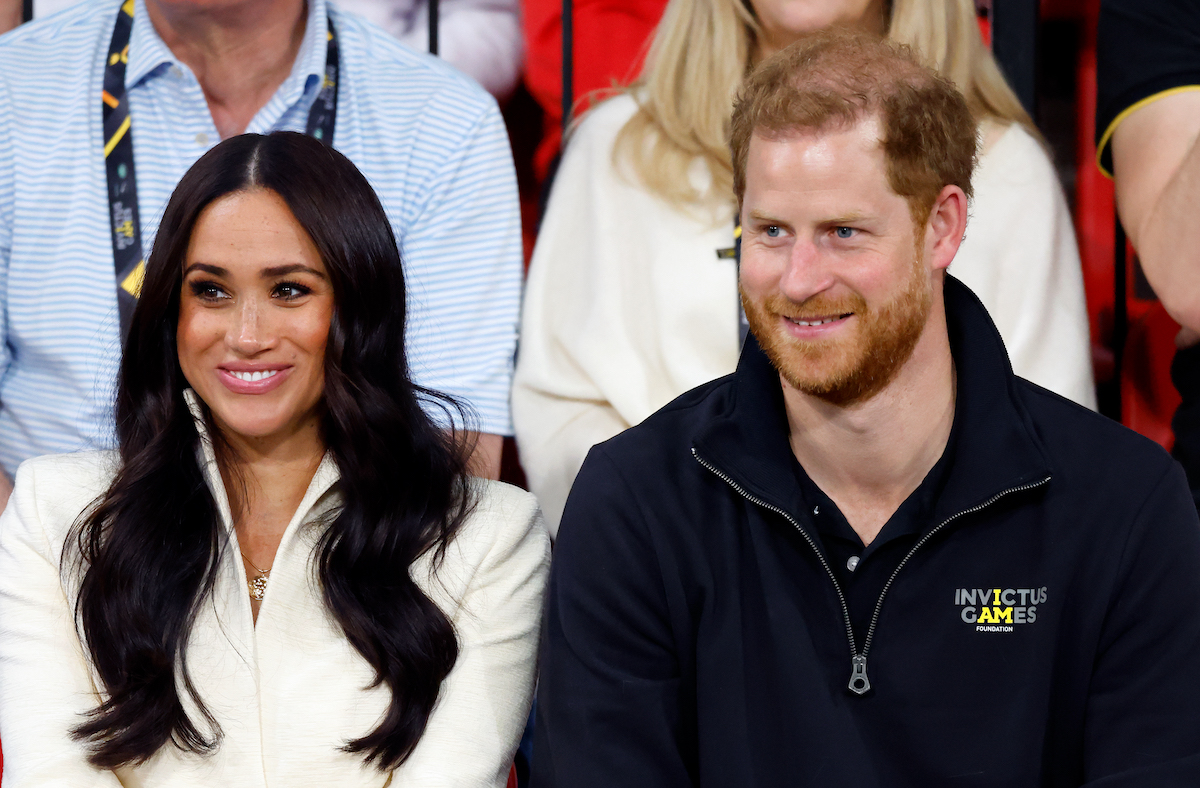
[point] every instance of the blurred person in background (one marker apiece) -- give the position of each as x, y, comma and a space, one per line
609, 42
481, 38
632, 298
87, 95
10, 14
1148, 124
285, 575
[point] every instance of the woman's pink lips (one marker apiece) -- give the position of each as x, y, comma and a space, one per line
239, 386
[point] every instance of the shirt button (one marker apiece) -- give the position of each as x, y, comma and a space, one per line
202, 138
816, 510
176, 72
852, 563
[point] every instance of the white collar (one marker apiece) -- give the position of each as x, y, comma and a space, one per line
323, 479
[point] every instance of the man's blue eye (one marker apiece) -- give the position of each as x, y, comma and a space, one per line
845, 232
773, 231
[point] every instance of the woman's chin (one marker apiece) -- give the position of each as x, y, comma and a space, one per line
259, 427
254, 431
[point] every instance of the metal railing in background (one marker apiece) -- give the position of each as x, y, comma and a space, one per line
433, 27
568, 66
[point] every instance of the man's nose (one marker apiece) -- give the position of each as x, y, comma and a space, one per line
808, 272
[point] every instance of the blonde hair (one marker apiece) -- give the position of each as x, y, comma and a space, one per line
945, 35
700, 54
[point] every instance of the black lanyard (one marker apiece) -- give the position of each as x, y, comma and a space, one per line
118, 155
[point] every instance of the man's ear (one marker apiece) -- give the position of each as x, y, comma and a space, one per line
945, 227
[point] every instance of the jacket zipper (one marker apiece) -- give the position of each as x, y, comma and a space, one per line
859, 682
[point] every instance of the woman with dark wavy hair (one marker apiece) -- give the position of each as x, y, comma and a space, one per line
285, 576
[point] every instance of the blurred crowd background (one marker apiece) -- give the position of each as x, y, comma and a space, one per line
1046, 50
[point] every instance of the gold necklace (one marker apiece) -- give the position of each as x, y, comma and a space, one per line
258, 586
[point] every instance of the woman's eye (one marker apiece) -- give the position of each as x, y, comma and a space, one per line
773, 231
290, 291
207, 291
844, 232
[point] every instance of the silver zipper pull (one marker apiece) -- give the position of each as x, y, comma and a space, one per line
859, 683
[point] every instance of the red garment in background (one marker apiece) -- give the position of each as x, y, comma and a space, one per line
610, 40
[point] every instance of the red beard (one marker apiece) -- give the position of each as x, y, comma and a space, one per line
846, 370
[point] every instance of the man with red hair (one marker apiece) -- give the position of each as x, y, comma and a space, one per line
872, 555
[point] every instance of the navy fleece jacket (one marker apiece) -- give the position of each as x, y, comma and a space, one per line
1044, 630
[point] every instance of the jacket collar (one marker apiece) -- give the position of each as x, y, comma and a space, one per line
997, 446
314, 502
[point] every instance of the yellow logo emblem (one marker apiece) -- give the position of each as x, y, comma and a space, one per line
999, 609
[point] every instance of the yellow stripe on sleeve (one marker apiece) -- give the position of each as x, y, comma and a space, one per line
1125, 113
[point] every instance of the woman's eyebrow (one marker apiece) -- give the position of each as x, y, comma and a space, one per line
283, 270
215, 270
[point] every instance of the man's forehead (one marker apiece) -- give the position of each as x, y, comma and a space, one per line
821, 176
865, 132
847, 162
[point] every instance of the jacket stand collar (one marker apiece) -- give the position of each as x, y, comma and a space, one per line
323, 480
997, 447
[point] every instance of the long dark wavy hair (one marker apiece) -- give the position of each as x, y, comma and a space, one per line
150, 547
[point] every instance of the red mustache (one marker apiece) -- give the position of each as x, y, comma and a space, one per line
818, 306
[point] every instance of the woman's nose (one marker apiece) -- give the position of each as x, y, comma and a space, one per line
250, 332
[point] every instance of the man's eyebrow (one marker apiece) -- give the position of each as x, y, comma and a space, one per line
758, 216
849, 218
836, 221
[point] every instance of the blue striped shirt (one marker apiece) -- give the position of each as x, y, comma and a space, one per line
429, 140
